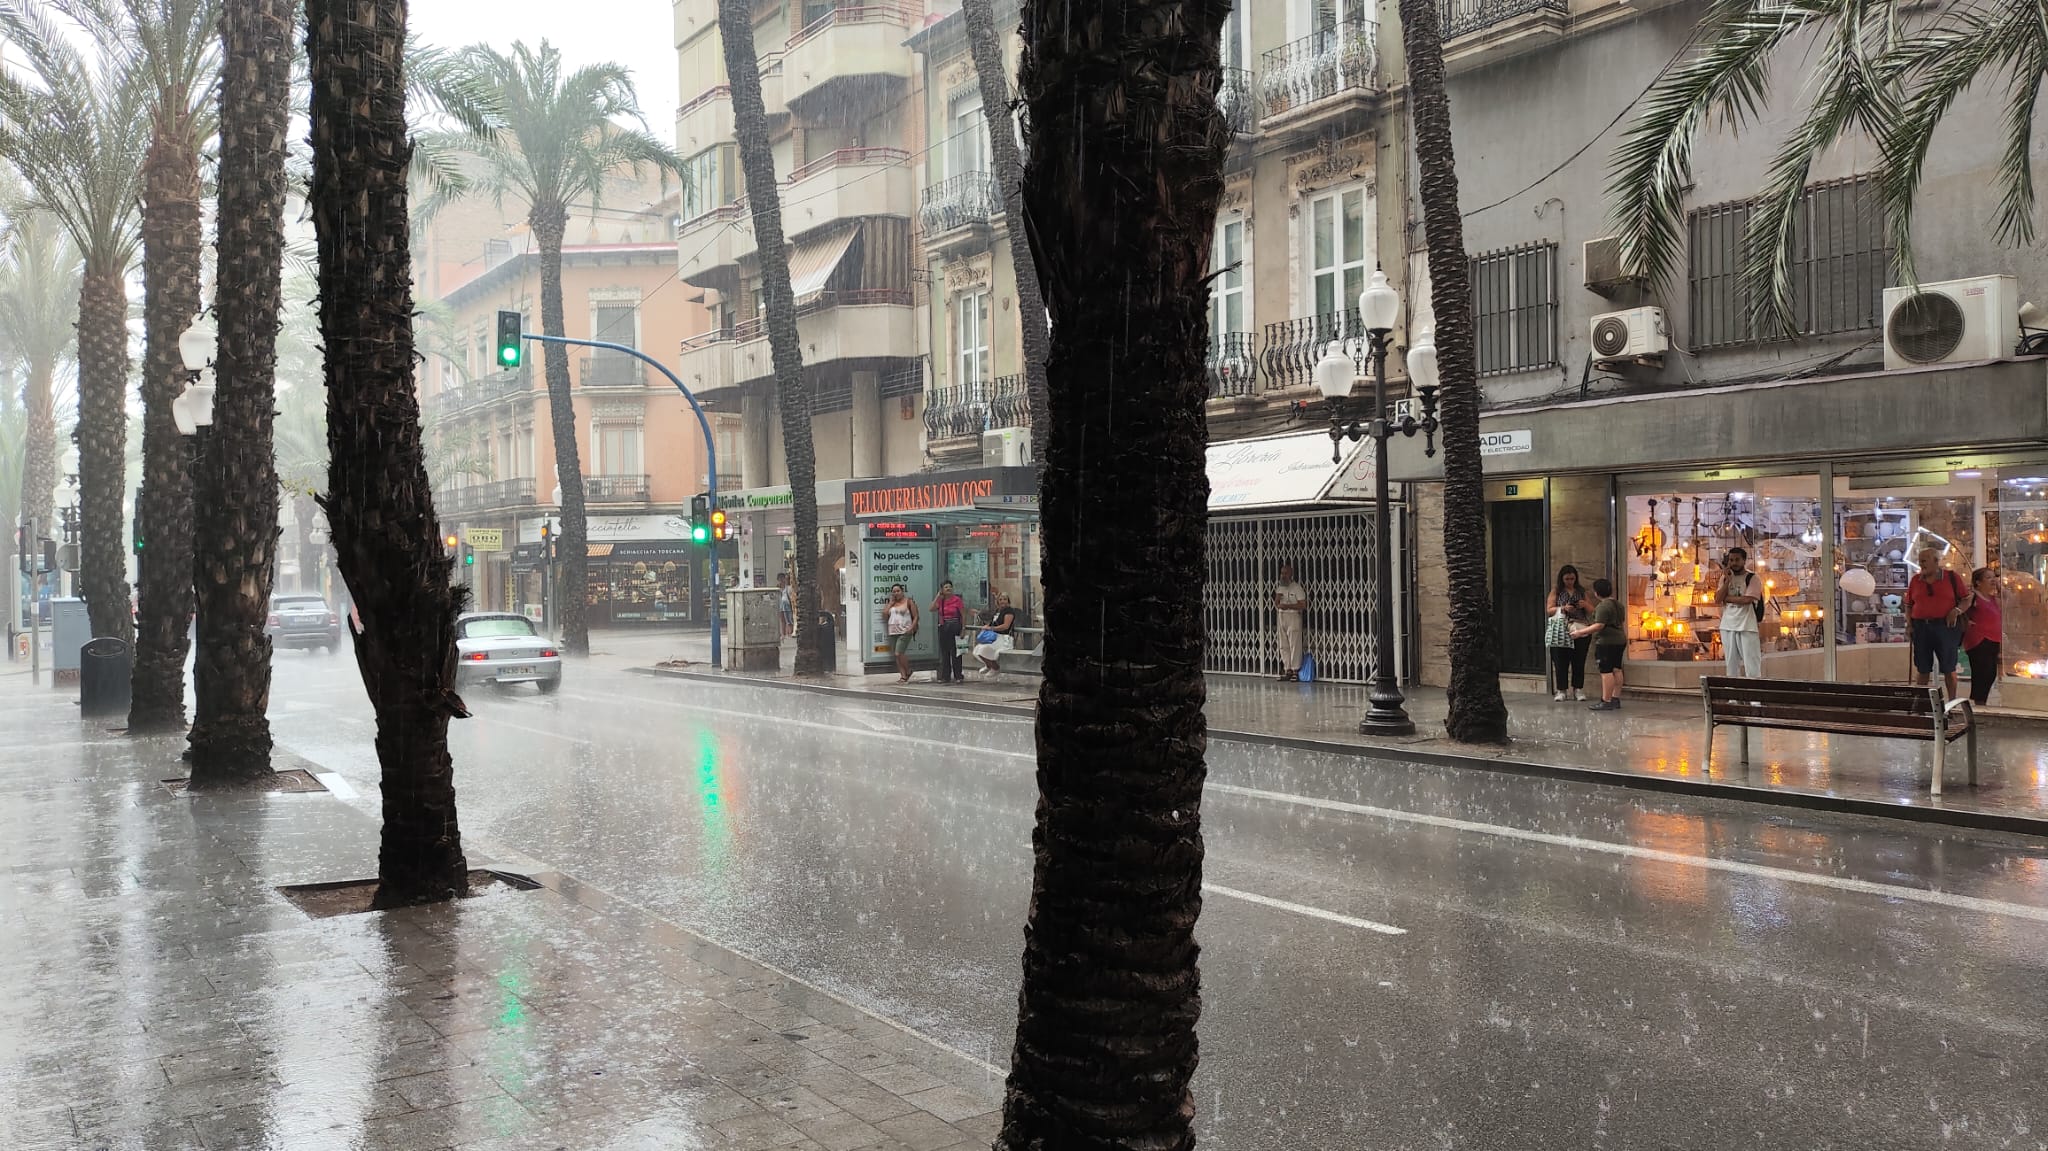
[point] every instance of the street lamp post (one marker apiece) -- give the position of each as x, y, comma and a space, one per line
1335, 378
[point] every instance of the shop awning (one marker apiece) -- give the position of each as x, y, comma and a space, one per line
812, 262
1290, 470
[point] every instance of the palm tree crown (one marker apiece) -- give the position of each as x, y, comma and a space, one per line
1872, 72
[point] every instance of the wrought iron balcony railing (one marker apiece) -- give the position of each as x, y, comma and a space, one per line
1233, 364
1342, 58
615, 489
971, 409
613, 370
512, 493
1294, 346
959, 201
1234, 98
1463, 17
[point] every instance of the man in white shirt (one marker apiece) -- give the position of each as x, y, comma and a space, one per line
1741, 638
1290, 604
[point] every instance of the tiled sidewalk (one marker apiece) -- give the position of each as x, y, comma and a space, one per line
1653, 741
158, 994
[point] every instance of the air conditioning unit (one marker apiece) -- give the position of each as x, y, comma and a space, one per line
1006, 447
1955, 321
1636, 334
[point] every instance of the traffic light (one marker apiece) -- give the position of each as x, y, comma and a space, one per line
700, 518
718, 525
510, 347
23, 551
451, 540
468, 556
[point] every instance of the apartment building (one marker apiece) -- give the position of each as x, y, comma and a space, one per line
1639, 430
492, 442
837, 81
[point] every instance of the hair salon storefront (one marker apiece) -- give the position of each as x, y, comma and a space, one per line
1831, 485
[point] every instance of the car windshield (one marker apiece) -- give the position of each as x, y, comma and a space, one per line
496, 628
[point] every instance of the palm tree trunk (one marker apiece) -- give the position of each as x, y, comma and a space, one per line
39, 452
378, 504
994, 75
550, 222
237, 538
171, 241
103, 449
793, 392
1120, 197
1477, 712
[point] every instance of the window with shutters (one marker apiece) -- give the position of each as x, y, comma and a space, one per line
1514, 309
1840, 265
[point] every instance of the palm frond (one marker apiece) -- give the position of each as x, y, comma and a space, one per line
1727, 81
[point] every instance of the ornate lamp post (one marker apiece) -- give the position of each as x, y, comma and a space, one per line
1335, 379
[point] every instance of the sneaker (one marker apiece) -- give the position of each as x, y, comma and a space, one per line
1560, 697
1578, 695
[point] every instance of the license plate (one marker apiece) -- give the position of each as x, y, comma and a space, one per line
517, 671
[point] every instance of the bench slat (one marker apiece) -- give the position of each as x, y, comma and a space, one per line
1725, 685
1920, 704
1738, 710
1923, 734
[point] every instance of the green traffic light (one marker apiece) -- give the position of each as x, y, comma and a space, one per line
699, 533
469, 560
509, 354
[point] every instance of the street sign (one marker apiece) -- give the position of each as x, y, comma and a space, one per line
486, 539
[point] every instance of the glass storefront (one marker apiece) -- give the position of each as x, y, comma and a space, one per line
641, 582
1867, 530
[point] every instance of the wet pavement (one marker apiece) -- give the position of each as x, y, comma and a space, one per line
1655, 740
1428, 957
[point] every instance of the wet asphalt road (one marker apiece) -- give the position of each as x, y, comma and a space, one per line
1393, 957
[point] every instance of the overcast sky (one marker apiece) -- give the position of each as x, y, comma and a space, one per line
637, 33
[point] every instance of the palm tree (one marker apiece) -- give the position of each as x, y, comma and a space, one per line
1477, 712
237, 509
39, 279
1869, 76
379, 507
558, 145
1126, 171
79, 138
994, 75
778, 301
13, 450
177, 58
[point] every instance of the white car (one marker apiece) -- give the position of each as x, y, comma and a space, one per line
499, 647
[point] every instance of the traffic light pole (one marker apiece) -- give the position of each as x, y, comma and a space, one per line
710, 455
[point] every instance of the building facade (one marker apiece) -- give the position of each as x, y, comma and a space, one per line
641, 449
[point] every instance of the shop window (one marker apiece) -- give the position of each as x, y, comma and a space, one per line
1675, 548
1841, 261
1514, 309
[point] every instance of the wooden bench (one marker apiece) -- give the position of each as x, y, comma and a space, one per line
1841, 709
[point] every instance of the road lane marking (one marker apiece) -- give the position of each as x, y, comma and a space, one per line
1711, 863
1303, 909
870, 722
1449, 823
335, 784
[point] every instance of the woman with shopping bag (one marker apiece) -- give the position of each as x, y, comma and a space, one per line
1567, 607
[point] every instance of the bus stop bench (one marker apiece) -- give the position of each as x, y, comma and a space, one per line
1841, 709
1029, 661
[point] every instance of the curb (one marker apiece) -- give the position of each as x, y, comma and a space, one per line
1704, 789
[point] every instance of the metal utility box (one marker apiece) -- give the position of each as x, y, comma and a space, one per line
754, 616
70, 627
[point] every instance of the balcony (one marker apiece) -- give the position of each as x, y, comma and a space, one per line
971, 409
1294, 346
478, 392
710, 247
1481, 32
611, 370
704, 121
846, 185
1305, 86
706, 363
854, 328
833, 61
503, 495
956, 211
1233, 364
615, 489
1234, 99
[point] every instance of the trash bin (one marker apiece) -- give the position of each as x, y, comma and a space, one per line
825, 632
103, 669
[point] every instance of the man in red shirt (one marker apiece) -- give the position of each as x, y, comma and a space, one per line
1935, 602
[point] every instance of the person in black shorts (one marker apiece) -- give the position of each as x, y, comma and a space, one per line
1609, 633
